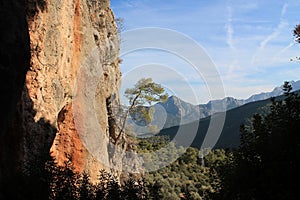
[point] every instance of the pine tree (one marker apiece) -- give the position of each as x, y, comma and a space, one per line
133, 189
86, 188
269, 155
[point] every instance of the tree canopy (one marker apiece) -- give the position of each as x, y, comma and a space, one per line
297, 33
145, 91
267, 160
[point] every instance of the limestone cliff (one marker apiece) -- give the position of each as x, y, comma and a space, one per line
74, 69
63, 35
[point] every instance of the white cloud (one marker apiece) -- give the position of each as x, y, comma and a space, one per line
282, 24
284, 9
273, 35
284, 49
229, 29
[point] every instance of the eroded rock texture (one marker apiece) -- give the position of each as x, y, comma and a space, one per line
73, 70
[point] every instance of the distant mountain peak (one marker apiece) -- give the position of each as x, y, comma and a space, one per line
179, 111
277, 91
175, 99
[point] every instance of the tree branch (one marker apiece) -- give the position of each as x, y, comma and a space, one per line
126, 116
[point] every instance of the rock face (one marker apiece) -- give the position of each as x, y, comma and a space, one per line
74, 69
66, 36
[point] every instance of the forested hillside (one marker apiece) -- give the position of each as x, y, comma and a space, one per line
263, 166
230, 136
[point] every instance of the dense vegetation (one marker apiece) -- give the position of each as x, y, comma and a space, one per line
54, 182
264, 166
189, 177
267, 160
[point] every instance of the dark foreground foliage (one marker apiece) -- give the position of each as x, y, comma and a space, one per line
55, 182
267, 162
265, 166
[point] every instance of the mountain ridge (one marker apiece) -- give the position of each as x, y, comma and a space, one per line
230, 135
188, 112
175, 111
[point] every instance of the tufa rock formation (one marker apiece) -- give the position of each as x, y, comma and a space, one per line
73, 70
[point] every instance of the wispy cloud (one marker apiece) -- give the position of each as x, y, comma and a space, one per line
285, 48
278, 29
251, 42
229, 29
281, 25
284, 9
273, 35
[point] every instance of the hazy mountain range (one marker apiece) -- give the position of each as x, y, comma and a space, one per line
183, 112
230, 134
176, 112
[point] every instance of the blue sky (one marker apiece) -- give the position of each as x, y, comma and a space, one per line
250, 43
